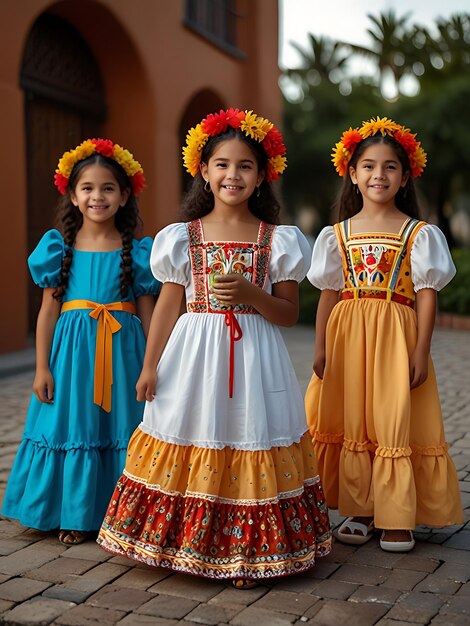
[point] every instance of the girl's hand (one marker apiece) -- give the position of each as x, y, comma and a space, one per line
146, 386
319, 364
233, 289
43, 386
418, 367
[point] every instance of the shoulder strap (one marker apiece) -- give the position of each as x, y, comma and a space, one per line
263, 253
265, 234
342, 233
195, 246
195, 232
408, 234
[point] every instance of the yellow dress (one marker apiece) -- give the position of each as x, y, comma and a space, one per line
380, 446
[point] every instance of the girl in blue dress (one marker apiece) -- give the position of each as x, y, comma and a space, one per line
98, 296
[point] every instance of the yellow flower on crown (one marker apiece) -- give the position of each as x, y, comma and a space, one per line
255, 127
383, 125
70, 158
196, 139
350, 139
126, 160
247, 122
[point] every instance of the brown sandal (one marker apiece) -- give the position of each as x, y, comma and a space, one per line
244, 583
72, 537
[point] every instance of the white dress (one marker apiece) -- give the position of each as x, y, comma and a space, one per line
192, 404
221, 479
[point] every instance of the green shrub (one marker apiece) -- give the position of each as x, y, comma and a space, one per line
455, 298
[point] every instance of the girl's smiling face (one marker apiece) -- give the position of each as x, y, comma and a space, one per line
232, 172
378, 174
97, 194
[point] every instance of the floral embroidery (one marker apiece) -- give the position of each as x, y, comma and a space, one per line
211, 258
374, 264
371, 263
227, 259
217, 539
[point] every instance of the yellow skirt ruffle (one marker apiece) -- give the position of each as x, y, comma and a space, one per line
380, 446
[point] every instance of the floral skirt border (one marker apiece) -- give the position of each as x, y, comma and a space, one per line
216, 539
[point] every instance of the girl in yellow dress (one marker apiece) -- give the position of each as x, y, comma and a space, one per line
372, 405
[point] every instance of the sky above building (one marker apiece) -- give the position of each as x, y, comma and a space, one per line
347, 20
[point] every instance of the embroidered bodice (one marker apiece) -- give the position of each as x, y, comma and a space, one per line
211, 258
379, 264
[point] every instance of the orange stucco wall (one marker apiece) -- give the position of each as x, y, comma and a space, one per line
153, 66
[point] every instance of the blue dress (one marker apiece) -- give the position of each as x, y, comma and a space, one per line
73, 452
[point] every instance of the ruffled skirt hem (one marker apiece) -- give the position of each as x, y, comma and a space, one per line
362, 478
62, 487
214, 539
218, 513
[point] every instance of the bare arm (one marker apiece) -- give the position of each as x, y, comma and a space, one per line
43, 384
281, 307
328, 299
426, 314
145, 306
164, 317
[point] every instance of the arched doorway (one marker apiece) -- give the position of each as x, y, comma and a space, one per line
203, 103
64, 103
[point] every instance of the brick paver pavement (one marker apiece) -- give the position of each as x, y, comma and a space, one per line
43, 582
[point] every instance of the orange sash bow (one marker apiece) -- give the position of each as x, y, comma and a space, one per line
107, 326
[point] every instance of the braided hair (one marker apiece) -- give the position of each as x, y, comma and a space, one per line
70, 220
197, 202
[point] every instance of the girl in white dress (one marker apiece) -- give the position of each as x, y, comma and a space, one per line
221, 479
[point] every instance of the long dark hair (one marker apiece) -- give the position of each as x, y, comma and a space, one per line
70, 220
349, 202
198, 202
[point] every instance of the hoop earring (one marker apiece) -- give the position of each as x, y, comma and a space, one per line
206, 188
258, 192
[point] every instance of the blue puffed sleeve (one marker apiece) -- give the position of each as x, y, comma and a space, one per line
144, 282
45, 260
290, 255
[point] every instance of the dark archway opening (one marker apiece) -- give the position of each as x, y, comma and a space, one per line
64, 104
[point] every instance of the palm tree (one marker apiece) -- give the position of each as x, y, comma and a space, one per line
323, 62
449, 51
393, 49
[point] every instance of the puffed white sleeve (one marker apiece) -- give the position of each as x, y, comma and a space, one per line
169, 259
290, 255
432, 266
326, 268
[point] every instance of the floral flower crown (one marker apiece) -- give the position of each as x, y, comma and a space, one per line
106, 148
344, 149
252, 125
